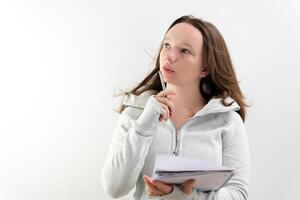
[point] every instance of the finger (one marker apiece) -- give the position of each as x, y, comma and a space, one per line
163, 187
149, 185
148, 182
163, 116
152, 189
166, 112
187, 187
165, 93
158, 187
189, 182
167, 102
153, 192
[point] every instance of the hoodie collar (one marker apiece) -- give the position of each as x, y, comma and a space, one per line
214, 105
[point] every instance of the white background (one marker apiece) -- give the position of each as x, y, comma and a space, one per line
61, 61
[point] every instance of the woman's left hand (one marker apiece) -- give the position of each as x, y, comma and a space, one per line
157, 188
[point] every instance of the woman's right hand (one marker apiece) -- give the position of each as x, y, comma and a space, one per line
164, 98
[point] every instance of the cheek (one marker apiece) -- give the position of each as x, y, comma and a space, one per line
195, 67
192, 71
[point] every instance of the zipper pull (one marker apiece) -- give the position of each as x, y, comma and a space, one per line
176, 151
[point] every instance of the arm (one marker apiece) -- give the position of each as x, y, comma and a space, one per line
235, 155
132, 138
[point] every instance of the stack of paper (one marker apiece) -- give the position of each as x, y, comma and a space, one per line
176, 170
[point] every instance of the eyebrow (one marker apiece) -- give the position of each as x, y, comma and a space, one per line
187, 44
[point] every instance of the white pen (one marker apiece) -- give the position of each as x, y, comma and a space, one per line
163, 85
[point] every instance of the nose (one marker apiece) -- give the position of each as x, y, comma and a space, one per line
171, 55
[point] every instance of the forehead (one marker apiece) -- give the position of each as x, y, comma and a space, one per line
185, 33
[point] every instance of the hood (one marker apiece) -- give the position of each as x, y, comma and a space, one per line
214, 105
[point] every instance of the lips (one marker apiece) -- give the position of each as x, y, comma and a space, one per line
168, 68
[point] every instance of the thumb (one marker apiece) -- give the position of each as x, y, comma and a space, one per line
187, 187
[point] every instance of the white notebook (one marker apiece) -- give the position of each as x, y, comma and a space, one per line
176, 170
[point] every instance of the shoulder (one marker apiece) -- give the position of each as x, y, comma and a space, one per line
235, 134
232, 117
234, 123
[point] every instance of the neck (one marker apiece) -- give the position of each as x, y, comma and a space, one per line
187, 98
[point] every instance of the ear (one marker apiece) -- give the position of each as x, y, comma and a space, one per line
204, 72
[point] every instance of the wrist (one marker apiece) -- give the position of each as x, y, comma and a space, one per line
149, 118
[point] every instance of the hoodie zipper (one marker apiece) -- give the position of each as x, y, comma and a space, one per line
176, 151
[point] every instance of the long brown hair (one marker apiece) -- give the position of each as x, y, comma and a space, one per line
221, 80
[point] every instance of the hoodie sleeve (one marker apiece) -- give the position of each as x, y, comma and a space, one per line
236, 156
132, 137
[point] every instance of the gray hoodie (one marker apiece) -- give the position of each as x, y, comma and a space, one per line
215, 133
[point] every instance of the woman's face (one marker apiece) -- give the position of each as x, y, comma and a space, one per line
181, 55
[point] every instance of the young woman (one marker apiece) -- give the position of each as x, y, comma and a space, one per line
200, 115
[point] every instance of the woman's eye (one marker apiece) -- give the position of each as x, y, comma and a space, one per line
166, 44
185, 51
